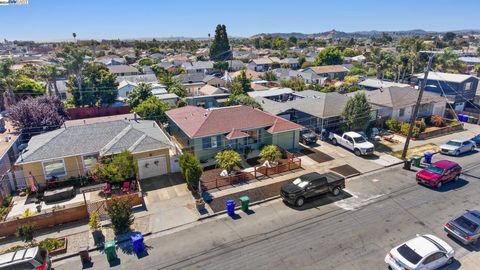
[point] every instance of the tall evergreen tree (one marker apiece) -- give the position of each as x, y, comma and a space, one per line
220, 48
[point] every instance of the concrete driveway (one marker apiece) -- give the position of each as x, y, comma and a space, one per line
168, 201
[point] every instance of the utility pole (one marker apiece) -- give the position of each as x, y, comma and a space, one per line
417, 105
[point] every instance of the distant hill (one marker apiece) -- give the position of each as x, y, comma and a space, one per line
364, 34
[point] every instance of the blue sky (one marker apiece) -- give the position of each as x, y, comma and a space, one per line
57, 19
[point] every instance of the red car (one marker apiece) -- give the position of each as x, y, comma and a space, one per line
438, 173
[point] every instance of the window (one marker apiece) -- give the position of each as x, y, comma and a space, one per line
401, 113
210, 142
433, 257
90, 160
54, 168
468, 86
253, 136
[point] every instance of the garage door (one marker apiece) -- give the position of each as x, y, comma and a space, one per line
153, 166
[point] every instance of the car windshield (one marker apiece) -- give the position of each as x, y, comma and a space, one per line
454, 143
434, 169
466, 224
300, 183
359, 139
409, 254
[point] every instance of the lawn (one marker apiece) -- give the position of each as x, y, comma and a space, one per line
418, 150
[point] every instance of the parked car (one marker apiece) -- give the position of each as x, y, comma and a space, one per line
311, 185
309, 138
354, 142
457, 147
29, 258
438, 173
476, 140
465, 228
422, 252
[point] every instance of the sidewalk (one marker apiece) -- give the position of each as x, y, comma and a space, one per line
471, 261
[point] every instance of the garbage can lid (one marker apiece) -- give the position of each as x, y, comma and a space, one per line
230, 201
428, 154
110, 244
244, 198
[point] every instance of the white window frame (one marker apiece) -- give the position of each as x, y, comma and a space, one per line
86, 169
50, 177
468, 86
401, 112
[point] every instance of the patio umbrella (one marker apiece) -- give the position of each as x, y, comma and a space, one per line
31, 183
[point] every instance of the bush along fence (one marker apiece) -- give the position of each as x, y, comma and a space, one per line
258, 172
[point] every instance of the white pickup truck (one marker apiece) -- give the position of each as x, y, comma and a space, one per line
353, 142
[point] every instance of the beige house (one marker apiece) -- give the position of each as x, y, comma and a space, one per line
73, 150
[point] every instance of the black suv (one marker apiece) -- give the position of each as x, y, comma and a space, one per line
308, 138
311, 185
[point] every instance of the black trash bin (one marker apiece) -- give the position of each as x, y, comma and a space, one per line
407, 164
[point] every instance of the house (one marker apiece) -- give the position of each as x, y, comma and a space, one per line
252, 75
124, 87
332, 72
373, 84
208, 101
111, 60
458, 88
63, 89
74, 149
123, 70
359, 58
262, 64
205, 67
311, 109
191, 81
235, 65
9, 150
291, 63
208, 90
399, 102
206, 132
274, 93
308, 77
171, 68
169, 98
214, 81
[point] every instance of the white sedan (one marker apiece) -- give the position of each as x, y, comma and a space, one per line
423, 252
457, 147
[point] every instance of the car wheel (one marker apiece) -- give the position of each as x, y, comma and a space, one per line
357, 152
472, 149
450, 261
457, 153
334, 141
299, 202
439, 184
336, 191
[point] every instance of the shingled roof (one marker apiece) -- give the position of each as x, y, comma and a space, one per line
198, 122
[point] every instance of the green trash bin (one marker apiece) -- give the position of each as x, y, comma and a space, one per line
110, 251
416, 161
245, 200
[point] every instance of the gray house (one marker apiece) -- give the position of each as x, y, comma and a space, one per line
458, 88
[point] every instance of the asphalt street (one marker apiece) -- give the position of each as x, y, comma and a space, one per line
354, 231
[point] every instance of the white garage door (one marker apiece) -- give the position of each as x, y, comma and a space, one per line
153, 166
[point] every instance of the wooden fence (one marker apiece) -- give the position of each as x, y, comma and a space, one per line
293, 163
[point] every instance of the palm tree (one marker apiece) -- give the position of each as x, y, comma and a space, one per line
73, 63
74, 37
381, 60
49, 73
448, 62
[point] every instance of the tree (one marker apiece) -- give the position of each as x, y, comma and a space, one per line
120, 213
448, 62
270, 153
221, 65
269, 76
177, 89
153, 108
297, 84
357, 112
26, 85
301, 60
381, 60
351, 79
349, 52
243, 99
292, 41
190, 168
240, 84
329, 56
140, 93
25, 232
94, 221
228, 159
7, 83
49, 74
73, 58
42, 113
116, 168
449, 37
145, 62
99, 86
220, 48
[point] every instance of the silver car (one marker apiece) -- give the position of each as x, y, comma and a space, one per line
457, 147
465, 228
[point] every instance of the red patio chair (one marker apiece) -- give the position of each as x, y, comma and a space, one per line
126, 187
108, 190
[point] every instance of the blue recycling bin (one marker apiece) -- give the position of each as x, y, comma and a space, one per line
137, 241
230, 207
427, 156
460, 117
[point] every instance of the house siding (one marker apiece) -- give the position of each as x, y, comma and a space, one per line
453, 89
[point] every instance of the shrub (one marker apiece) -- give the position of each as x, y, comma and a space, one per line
190, 168
120, 213
6, 201
27, 213
25, 232
404, 130
51, 243
420, 124
393, 124
116, 169
270, 153
438, 121
228, 159
94, 221
13, 249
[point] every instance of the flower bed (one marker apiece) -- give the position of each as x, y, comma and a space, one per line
54, 246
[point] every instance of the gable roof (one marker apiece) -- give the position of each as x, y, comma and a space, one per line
400, 97
377, 83
328, 69
122, 69
208, 90
105, 138
145, 78
236, 134
448, 77
199, 122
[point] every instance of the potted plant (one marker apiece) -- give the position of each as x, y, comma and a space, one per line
271, 153
94, 223
227, 160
